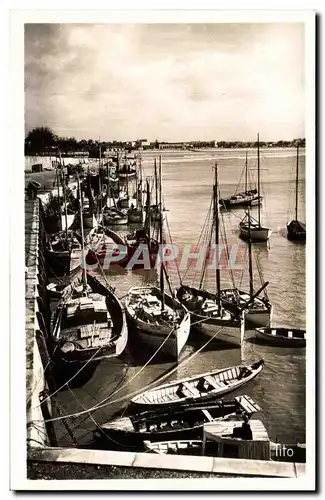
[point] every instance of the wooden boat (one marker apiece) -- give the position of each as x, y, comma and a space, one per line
207, 312
210, 385
160, 321
89, 322
249, 227
114, 217
225, 439
296, 230
103, 242
177, 424
258, 310
245, 198
58, 253
282, 336
258, 232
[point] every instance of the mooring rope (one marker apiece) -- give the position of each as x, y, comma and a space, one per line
134, 393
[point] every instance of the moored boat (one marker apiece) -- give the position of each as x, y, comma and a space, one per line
258, 310
89, 323
286, 337
202, 387
228, 439
242, 198
249, 227
178, 424
296, 229
207, 312
160, 321
114, 217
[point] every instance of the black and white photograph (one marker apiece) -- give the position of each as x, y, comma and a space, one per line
165, 316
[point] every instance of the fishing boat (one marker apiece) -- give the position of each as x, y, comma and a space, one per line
207, 312
135, 213
250, 227
114, 217
231, 439
258, 310
296, 230
160, 321
203, 387
89, 323
177, 424
280, 336
103, 242
242, 198
58, 253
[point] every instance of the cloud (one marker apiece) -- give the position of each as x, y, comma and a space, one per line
166, 81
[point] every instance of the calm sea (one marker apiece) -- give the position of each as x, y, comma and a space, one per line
187, 187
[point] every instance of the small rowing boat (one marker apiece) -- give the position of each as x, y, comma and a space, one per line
282, 336
207, 386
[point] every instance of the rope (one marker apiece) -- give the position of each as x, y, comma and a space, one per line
128, 396
66, 383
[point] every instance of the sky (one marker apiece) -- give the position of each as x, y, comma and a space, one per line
170, 82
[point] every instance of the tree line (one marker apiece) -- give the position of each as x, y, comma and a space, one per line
42, 140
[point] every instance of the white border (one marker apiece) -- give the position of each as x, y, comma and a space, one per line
18, 456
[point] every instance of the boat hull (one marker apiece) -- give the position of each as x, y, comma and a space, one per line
296, 231
244, 202
168, 338
113, 348
257, 235
166, 395
254, 316
266, 336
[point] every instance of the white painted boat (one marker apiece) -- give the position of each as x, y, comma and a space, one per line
198, 388
257, 233
210, 319
166, 329
258, 313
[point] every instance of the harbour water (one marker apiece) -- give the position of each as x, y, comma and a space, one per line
187, 187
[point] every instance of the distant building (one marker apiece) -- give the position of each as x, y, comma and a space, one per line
174, 145
142, 143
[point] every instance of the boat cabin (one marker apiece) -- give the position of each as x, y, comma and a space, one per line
247, 439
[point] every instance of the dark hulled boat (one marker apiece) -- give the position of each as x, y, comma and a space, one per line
186, 423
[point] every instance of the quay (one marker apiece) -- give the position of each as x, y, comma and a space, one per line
41, 440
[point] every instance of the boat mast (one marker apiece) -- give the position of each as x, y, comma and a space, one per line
161, 239
250, 266
99, 179
297, 172
84, 275
156, 183
216, 215
141, 181
246, 173
65, 203
258, 179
